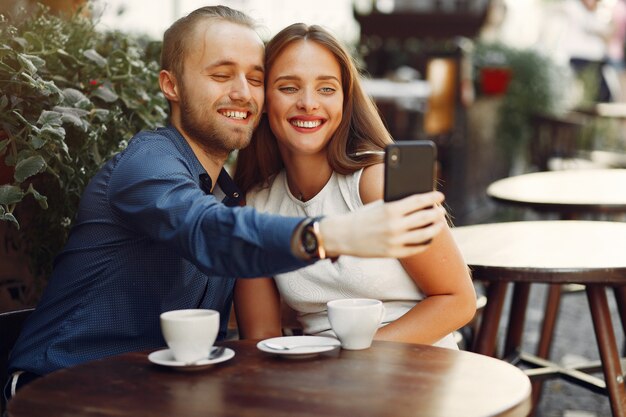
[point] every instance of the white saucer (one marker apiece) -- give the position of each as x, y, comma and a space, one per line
165, 357
302, 345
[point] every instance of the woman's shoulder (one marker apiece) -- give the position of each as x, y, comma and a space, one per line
372, 183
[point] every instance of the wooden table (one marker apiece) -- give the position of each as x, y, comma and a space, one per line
388, 379
567, 193
570, 194
554, 252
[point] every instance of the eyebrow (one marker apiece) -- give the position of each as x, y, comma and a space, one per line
226, 62
296, 78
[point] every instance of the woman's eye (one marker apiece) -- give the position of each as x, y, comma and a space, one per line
288, 89
327, 90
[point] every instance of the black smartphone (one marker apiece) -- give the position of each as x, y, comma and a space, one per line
409, 168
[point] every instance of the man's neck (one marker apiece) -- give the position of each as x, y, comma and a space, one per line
211, 161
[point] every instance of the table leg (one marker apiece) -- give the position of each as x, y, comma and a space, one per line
553, 300
485, 340
517, 315
607, 345
620, 297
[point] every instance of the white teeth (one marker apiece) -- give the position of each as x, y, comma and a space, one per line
306, 124
235, 114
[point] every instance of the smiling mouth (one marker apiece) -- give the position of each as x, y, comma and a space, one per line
237, 115
306, 124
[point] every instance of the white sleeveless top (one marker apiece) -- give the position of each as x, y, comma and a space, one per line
308, 289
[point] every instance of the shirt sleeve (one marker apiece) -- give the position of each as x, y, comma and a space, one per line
154, 194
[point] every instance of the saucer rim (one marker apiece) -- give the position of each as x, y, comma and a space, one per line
155, 358
305, 339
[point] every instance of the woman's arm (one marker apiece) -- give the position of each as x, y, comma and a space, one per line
257, 308
441, 274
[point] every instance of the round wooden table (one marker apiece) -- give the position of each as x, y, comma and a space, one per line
592, 253
388, 379
567, 193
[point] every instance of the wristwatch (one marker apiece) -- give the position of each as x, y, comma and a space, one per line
307, 242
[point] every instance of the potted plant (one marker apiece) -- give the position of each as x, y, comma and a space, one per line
70, 97
527, 82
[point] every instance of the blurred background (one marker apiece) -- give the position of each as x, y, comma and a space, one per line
502, 87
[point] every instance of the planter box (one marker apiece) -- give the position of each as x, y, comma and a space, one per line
495, 81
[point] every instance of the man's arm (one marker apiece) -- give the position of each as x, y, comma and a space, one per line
156, 196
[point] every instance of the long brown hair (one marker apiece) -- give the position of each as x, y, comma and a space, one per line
356, 143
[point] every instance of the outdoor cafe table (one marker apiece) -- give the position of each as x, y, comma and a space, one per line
388, 379
552, 252
570, 194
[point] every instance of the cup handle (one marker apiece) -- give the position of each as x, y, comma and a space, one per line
382, 314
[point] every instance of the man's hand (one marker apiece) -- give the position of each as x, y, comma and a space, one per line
394, 230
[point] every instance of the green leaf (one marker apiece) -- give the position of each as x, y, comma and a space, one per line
28, 167
21, 42
74, 98
3, 145
105, 93
68, 60
50, 88
35, 42
94, 56
51, 132
100, 114
26, 64
72, 115
5, 50
41, 199
10, 218
23, 120
37, 141
4, 101
10, 194
50, 118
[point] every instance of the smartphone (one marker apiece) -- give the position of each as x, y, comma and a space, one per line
409, 168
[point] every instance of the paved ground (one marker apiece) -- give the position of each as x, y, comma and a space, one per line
574, 340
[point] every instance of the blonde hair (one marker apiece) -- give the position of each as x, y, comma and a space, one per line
359, 139
177, 36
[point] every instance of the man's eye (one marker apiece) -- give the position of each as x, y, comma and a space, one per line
220, 77
257, 82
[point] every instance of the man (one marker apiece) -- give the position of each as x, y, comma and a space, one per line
154, 233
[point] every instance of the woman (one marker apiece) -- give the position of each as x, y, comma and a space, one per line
318, 152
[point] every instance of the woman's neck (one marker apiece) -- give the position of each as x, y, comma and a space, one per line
307, 175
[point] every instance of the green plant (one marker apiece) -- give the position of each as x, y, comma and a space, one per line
70, 97
535, 87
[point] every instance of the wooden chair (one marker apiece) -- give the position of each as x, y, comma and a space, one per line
10, 326
556, 142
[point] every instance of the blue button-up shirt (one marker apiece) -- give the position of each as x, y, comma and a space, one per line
148, 238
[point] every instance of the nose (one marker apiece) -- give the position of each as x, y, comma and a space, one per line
307, 101
240, 90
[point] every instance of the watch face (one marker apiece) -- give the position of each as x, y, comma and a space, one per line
309, 242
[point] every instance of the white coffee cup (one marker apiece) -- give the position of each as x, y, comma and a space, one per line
190, 333
355, 321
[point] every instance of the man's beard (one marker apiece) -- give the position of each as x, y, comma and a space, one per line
214, 138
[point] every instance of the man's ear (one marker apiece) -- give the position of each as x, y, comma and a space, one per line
168, 85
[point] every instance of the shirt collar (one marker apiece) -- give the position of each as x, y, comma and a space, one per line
232, 193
